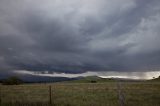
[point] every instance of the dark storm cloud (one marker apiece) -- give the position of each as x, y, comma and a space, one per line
76, 36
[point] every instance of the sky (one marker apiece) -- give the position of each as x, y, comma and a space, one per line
72, 37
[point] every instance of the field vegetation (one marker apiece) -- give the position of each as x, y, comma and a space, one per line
85, 92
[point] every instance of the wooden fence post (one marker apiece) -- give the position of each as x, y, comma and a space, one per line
0, 95
50, 95
120, 95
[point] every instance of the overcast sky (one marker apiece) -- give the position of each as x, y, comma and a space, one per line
77, 36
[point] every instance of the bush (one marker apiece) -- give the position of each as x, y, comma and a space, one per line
93, 81
12, 81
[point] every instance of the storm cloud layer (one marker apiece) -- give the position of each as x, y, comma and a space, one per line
76, 36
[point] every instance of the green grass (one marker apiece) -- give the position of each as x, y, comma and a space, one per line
82, 94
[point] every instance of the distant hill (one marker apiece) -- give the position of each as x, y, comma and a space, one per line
42, 79
92, 79
96, 79
45, 79
88, 79
156, 79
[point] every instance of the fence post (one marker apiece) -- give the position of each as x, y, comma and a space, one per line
120, 95
0, 95
50, 95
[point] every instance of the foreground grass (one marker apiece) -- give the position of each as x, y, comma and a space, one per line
62, 94
142, 94
82, 94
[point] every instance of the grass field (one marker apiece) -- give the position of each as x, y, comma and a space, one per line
82, 94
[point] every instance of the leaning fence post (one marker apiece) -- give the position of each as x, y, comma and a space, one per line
50, 95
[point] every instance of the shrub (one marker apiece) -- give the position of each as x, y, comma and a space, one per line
93, 81
12, 81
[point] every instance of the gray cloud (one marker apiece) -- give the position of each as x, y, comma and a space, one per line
76, 36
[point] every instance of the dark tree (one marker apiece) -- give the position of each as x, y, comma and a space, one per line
12, 81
